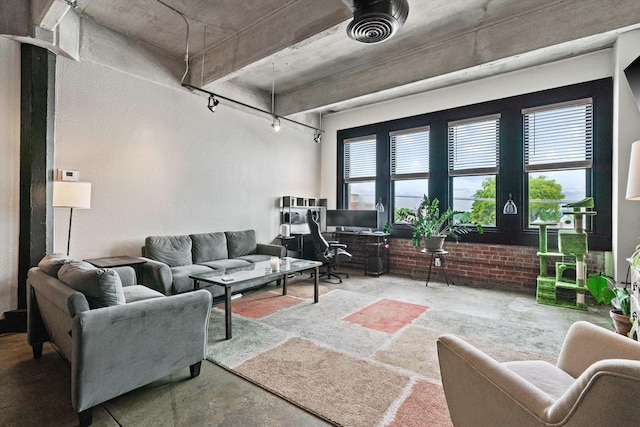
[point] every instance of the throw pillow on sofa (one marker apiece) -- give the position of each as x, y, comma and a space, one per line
101, 286
175, 251
51, 263
240, 243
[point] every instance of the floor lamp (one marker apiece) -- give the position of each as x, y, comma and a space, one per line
73, 195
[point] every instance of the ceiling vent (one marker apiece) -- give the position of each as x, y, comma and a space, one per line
375, 21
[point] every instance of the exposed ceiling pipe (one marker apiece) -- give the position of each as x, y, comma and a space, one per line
374, 21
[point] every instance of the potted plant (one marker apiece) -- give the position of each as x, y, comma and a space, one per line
604, 290
432, 227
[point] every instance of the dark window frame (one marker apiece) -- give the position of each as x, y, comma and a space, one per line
510, 229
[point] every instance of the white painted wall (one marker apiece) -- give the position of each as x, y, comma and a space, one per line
9, 172
626, 130
606, 63
161, 163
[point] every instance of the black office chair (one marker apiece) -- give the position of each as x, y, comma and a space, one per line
330, 253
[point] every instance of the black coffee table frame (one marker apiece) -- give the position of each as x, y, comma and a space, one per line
257, 270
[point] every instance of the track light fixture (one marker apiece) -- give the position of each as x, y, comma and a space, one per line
317, 136
213, 103
276, 124
276, 119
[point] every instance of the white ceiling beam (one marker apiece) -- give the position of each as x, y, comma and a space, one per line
291, 25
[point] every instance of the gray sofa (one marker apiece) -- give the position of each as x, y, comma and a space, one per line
118, 336
172, 259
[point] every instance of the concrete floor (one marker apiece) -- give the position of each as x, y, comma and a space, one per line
36, 392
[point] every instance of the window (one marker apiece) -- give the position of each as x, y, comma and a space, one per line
360, 172
542, 149
409, 169
473, 165
558, 154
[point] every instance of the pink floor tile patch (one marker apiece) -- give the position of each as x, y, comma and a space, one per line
260, 305
387, 315
425, 406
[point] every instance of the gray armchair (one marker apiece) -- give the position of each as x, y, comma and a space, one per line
114, 349
595, 382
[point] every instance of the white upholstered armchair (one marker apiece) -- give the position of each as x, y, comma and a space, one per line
595, 382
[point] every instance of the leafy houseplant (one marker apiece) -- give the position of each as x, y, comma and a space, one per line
634, 259
428, 222
604, 290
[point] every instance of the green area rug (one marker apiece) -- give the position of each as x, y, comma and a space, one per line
358, 358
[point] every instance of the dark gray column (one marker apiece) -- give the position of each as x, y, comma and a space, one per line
36, 160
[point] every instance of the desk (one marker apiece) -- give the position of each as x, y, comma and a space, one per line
286, 241
376, 248
439, 256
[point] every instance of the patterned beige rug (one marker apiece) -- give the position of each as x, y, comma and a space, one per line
355, 359
341, 388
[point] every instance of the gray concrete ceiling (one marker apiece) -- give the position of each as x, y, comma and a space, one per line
318, 68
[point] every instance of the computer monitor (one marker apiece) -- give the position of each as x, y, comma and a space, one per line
352, 218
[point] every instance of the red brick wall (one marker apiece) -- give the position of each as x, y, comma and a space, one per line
473, 264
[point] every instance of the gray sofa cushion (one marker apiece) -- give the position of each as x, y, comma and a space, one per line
241, 243
209, 247
172, 250
181, 281
101, 287
222, 264
50, 264
139, 293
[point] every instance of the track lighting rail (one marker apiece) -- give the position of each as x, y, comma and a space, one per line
270, 114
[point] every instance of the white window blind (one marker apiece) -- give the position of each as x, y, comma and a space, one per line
558, 136
474, 146
410, 153
360, 159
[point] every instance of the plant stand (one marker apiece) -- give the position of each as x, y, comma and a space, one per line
439, 256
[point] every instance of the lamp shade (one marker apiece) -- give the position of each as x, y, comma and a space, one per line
72, 194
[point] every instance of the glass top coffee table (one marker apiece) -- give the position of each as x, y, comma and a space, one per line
234, 276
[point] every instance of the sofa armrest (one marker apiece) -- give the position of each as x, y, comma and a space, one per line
36, 331
51, 306
586, 344
120, 348
271, 249
598, 383
469, 376
157, 275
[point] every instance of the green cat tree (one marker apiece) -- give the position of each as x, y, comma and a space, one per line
572, 244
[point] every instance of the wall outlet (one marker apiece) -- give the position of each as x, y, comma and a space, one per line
437, 262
